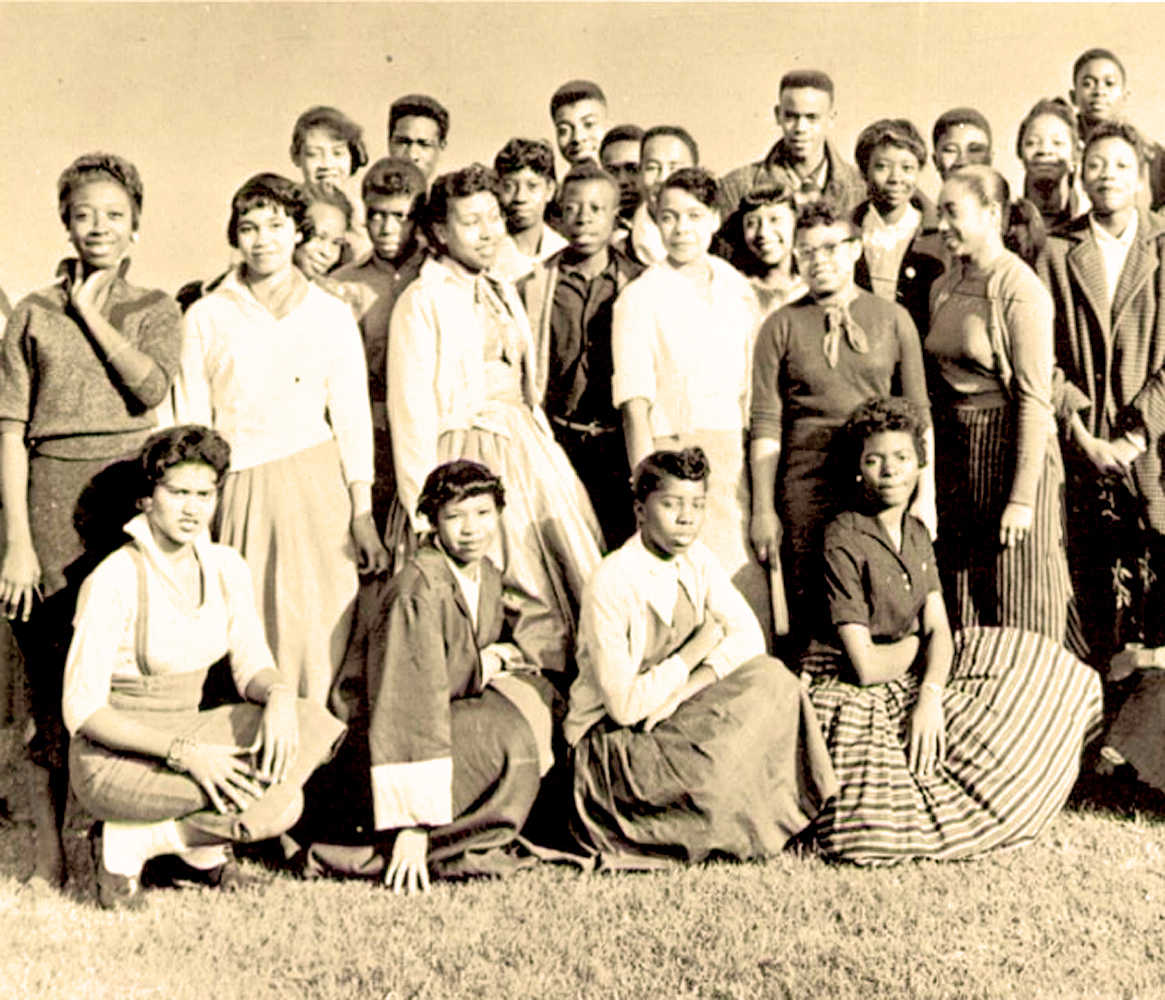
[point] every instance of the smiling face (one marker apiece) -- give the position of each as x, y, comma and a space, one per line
805, 114
768, 232
826, 257
101, 223
326, 159
473, 231
390, 224
892, 176
967, 225
579, 129
466, 528
889, 467
1048, 149
1099, 90
670, 519
588, 214
417, 138
182, 504
317, 255
1111, 176
662, 156
267, 238
961, 146
525, 195
686, 225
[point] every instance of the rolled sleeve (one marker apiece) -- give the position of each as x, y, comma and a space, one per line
633, 335
767, 406
743, 638
349, 409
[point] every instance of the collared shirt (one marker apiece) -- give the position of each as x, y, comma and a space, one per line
1114, 251
837, 180
580, 365
512, 263
885, 245
646, 239
628, 599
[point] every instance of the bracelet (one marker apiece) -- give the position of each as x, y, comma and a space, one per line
932, 686
176, 757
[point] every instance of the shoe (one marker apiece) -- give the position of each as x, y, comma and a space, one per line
172, 872
114, 892
230, 877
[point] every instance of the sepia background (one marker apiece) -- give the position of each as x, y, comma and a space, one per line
200, 96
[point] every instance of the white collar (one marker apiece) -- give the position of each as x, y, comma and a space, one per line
660, 577
1102, 235
874, 223
139, 530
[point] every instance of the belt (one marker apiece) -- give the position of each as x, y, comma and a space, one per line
593, 429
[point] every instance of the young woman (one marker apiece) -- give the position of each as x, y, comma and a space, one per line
462, 384
450, 728
681, 339
84, 362
688, 741
999, 472
325, 243
757, 240
163, 777
277, 366
944, 748
1048, 145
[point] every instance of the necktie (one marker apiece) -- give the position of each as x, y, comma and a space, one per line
839, 322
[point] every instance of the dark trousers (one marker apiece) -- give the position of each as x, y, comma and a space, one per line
600, 460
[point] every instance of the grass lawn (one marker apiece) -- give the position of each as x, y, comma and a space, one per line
1080, 914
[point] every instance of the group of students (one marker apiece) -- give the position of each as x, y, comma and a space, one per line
927, 437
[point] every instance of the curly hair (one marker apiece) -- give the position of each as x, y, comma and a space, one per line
1117, 130
875, 416
188, 443
462, 183
897, 132
537, 154
823, 212
690, 464
268, 191
335, 123
699, 182
391, 176
456, 481
326, 196
99, 167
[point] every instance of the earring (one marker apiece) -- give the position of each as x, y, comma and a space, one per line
858, 478
134, 236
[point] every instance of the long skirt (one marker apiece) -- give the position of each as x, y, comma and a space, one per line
985, 583
1017, 709
549, 543
291, 519
729, 509
735, 772
116, 785
496, 778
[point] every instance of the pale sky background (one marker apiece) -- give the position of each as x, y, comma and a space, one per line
202, 96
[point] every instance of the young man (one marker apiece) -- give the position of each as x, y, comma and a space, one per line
526, 169
1100, 93
619, 155
418, 126
665, 148
391, 191
961, 136
1106, 273
802, 157
579, 112
569, 299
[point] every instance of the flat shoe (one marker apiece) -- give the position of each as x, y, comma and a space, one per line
114, 892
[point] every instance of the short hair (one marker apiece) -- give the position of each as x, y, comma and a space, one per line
897, 132
391, 176
876, 416
267, 191
187, 443
419, 106
326, 196
456, 481
589, 170
823, 212
1116, 130
574, 91
337, 124
730, 243
690, 464
518, 154
674, 132
99, 167
1088, 56
461, 183
1057, 107
699, 182
959, 116
813, 79
1024, 231
621, 133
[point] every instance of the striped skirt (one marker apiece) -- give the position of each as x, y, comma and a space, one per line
1027, 586
1018, 709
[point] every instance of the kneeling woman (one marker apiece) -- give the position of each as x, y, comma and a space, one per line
688, 741
164, 777
450, 728
944, 747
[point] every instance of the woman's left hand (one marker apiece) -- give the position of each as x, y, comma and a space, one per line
927, 734
90, 294
372, 556
278, 735
1015, 524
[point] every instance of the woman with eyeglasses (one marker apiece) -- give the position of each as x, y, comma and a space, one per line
816, 360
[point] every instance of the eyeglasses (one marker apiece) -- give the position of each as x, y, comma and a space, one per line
827, 251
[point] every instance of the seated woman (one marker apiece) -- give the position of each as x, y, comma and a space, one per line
163, 777
689, 742
450, 729
944, 748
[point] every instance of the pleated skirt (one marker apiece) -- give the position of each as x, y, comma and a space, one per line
1018, 709
291, 520
1027, 586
